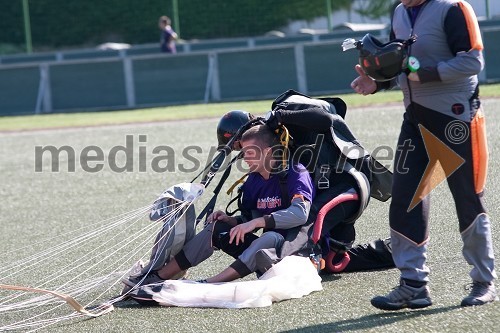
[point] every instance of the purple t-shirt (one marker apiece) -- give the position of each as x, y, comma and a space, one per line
167, 41
264, 195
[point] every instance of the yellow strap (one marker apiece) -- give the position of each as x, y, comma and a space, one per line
284, 140
67, 298
239, 181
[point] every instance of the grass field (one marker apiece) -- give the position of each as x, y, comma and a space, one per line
193, 111
45, 205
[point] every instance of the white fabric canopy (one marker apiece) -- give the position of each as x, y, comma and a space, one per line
292, 277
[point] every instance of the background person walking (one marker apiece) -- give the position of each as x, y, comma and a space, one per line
168, 35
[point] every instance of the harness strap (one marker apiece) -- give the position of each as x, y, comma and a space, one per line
284, 141
284, 189
237, 197
239, 181
209, 208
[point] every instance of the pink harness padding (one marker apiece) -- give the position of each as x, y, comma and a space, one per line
318, 225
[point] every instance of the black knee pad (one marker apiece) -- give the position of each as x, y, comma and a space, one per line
220, 235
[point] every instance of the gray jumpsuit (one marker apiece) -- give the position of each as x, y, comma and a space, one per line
445, 104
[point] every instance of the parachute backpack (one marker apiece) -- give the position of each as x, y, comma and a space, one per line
379, 177
382, 62
372, 178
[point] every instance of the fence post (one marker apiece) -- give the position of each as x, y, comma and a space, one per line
212, 87
300, 67
44, 97
129, 81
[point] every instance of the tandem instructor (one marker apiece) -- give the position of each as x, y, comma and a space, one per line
440, 87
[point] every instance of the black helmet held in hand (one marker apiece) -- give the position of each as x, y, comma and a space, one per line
383, 62
230, 123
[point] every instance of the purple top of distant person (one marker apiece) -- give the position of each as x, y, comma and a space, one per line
168, 36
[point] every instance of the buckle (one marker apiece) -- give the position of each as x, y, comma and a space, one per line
323, 181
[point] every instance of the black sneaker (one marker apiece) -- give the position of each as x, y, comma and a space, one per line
145, 296
404, 296
144, 279
480, 293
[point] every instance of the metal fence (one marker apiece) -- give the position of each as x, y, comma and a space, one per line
203, 72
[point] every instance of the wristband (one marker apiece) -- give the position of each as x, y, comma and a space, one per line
413, 64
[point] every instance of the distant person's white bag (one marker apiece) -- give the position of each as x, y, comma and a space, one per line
292, 277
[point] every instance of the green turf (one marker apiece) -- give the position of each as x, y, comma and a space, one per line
184, 112
45, 205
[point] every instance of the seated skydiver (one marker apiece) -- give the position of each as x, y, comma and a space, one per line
265, 204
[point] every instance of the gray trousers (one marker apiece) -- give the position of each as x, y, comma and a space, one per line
216, 236
409, 227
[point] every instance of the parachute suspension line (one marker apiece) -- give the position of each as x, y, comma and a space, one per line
96, 263
37, 259
53, 251
79, 230
104, 307
50, 300
80, 311
76, 290
66, 271
124, 245
184, 207
41, 323
68, 299
109, 254
62, 292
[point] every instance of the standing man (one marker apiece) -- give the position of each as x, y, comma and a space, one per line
442, 92
168, 35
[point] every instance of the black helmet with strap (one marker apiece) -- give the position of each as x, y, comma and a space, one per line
381, 61
230, 123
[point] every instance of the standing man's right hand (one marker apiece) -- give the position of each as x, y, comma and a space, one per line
363, 84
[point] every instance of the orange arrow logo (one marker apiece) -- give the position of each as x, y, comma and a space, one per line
443, 161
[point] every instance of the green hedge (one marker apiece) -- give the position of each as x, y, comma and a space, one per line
76, 23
